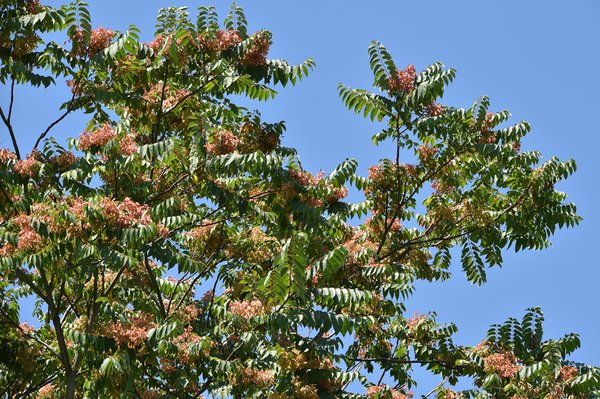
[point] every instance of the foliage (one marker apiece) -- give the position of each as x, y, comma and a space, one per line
176, 249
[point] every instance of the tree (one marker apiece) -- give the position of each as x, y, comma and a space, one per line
176, 249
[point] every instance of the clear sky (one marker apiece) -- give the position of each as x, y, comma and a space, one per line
536, 58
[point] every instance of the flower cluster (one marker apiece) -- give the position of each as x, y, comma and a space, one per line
404, 81
414, 322
254, 246
253, 137
7, 250
78, 207
26, 327
29, 239
76, 86
482, 348
205, 239
304, 391
337, 194
385, 178
358, 244
441, 187
296, 360
247, 309
376, 173
384, 175
190, 313
434, 109
249, 376
125, 214
184, 341
127, 145
157, 43
307, 182
503, 363
223, 142
27, 167
148, 394
568, 373
426, 153
97, 138
164, 96
488, 139
33, 6
256, 55
488, 122
133, 334
225, 39
22, 45
305, 178
7, 155
100, 39
46, 392
377, 224
448, 393
64, 160
375, 390
293, 360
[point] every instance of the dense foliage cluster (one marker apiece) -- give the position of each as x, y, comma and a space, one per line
175, 248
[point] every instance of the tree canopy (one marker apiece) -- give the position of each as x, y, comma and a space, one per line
176, 249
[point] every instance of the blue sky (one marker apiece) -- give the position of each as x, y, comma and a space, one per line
537, 59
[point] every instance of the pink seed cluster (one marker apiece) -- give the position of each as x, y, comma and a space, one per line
76, 87
125, 214
404, 81
223, 142
488, 122
376, 173
26, 327
375, 390
7, 250
226, 39
100, 39
503, 363
97, 138
33, 6
183, 342
7, 155
46, 392
127, 145
157, 43
305, 178
414, 322
29, 239
338, 194
450, 394
64, 160
165, 96
250, 376
435, 109
568, 373
133, 334
426, 153
441, 187
247, 309
256, 55
28, 167
487, 135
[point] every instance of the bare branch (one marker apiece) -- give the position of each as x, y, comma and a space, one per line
7, 122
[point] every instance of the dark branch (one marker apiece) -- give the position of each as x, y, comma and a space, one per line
7, 122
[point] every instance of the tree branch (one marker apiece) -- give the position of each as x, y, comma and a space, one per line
7, 122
